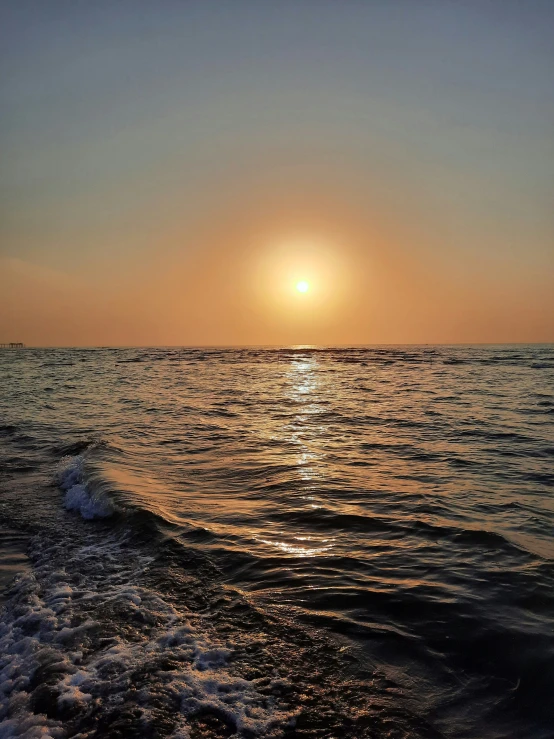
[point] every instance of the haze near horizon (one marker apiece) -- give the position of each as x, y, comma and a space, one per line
212, 173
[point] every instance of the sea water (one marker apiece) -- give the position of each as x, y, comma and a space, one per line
295, 542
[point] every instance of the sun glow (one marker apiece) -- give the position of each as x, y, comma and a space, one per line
300, 285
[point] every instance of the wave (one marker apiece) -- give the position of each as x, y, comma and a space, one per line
109, 637
78, 494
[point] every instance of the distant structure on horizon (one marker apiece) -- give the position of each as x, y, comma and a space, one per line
12, 345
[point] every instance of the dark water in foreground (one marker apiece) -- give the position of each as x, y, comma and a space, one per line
298, 543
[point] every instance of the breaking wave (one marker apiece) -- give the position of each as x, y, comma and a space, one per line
78, 494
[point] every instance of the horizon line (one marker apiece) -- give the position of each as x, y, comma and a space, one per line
284, 346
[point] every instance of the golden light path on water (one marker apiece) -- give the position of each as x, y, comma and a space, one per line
302, 385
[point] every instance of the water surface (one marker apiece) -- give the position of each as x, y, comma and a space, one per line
301, 542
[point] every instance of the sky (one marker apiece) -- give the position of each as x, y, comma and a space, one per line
169, 171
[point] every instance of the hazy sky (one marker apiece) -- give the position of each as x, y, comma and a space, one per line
171, 169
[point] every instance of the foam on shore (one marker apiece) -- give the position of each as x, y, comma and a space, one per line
80, 640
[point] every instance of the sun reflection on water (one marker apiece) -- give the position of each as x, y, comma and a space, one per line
300, 550
304, 433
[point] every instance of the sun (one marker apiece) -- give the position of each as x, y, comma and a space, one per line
302, 286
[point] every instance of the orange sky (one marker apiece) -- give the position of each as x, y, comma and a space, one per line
169, 176
371, 281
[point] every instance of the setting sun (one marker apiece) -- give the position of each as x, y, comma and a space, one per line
302, 286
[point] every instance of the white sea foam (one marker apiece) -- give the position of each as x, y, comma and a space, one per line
77, 499
70, 471
77, 495
82, 626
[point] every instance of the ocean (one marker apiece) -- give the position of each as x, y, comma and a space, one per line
282, 542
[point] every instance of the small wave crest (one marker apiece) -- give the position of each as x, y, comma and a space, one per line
78, 496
